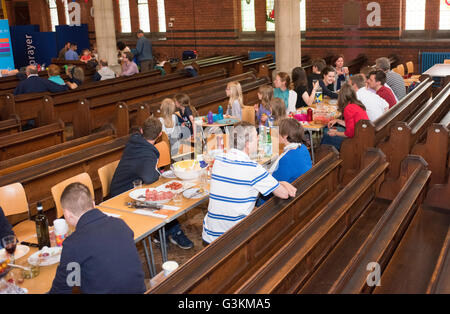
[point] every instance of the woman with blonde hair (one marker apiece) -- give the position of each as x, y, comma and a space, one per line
236, 102
168, 118
278, 111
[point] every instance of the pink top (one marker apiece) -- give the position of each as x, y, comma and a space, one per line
352, 114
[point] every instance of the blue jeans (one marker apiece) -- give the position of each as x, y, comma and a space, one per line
335, 141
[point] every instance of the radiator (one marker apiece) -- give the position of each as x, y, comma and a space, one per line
428, 59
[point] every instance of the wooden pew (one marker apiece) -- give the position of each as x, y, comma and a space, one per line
28, 141
288, 269
170, 67
404, 135
102, 107
27, 106
372, 238
435, 149
10, 126
230, 259
440, 280
244, 66
49, 153
88, 72
38, 179
355, 65
211, 66
371, 134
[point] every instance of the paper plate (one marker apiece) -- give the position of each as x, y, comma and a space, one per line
53, 257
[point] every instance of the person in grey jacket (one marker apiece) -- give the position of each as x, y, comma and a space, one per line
104, 72
143, 52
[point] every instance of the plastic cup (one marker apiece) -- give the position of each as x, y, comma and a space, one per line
169, 267
61, 230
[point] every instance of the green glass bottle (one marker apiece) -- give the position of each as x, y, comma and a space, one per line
42, 227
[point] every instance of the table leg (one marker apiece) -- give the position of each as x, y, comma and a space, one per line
150, 262
312, 145
162, 239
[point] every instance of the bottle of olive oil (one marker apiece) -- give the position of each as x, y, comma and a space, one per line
42, 228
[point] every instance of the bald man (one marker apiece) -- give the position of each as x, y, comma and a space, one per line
35, 84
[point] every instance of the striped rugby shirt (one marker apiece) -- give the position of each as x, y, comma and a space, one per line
236, 182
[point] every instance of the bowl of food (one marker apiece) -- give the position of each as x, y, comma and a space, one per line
187, 169
4, 268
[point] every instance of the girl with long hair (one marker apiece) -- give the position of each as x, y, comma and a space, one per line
236, 100
300, 81
263, 109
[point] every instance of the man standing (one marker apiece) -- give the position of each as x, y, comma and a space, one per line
236, 181
139, 160
36, 84
143, 52
375, 105
376, 81
128, 66
100, 256
62, 52
71, 54
394, 80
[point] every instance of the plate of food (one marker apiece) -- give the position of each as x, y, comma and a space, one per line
152, 195
46, 257
21, 250
169, 174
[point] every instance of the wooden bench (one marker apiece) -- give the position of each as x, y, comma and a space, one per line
38, 179
371, 134
404, 135
170, 67
244, 66
88, 72
211, 66
373, 237
50, 153
290, 266
10, 126
227, 262
28, 141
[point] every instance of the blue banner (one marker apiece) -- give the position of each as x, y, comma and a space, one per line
24, 47
75, 34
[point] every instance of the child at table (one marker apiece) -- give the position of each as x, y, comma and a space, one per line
263, 109
278, 111
86, 56
169, 121
236, 102
185, 112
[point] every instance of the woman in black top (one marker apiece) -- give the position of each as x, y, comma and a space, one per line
300, 82
328, 78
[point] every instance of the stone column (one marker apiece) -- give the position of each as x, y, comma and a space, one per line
287, 35
105, 32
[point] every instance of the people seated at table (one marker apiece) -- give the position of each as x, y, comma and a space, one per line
86, 55
128, 66
295, 159
235, 101
139, 160
75, 76
376, 81
5, 227
169, 122
35, 84
282, 85
100, 256
299, 78
185, 112
278, 111
353, 110
71, 54
104, 72
53, 74
366, 71
263, 110
317, 66
236, 182
62, 52
328, 78
393, 79
375, 105
342, 74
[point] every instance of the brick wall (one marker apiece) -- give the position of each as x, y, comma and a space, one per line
213, 27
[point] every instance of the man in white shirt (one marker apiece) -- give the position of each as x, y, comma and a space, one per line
375, 105
236, 181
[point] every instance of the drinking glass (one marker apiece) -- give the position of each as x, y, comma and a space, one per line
204, 180
137, 183
178, 198
9, 243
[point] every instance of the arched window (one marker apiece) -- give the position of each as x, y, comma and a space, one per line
161, 16
248, 15
53, 14
270, 5
144, 16
125, 21
415, 15
444, 15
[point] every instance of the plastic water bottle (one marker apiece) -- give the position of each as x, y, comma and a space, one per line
318, 98
220, 113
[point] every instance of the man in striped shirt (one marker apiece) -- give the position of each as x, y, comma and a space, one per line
236, 182
394, 80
